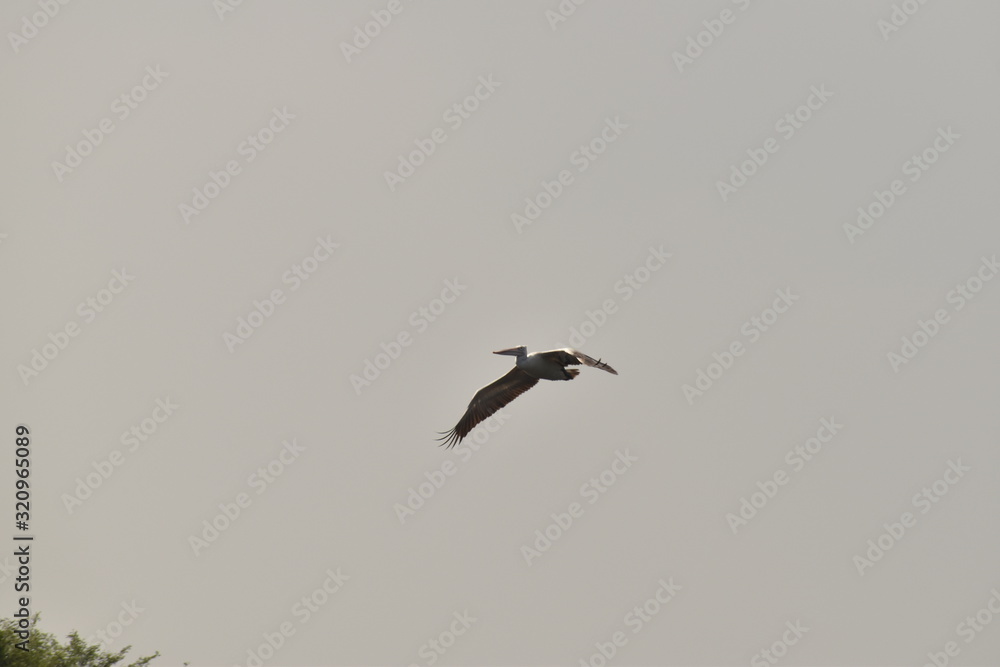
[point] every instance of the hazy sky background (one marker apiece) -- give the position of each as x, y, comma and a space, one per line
879, 97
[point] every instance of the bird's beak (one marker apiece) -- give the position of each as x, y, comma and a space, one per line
511, 351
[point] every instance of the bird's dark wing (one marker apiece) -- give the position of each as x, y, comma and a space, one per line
573, 357
488, 400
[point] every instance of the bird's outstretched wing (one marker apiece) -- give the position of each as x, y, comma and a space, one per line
577, 357
488, 400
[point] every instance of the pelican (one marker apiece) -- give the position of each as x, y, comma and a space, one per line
529, 369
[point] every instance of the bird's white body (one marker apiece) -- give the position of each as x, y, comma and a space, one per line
537, 365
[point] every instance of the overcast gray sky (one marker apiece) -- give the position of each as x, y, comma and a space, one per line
257, 254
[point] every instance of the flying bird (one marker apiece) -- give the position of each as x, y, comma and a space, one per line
529, 369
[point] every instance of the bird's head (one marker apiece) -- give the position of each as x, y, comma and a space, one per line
518, 351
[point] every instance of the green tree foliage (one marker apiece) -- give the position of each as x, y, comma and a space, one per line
44, 650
